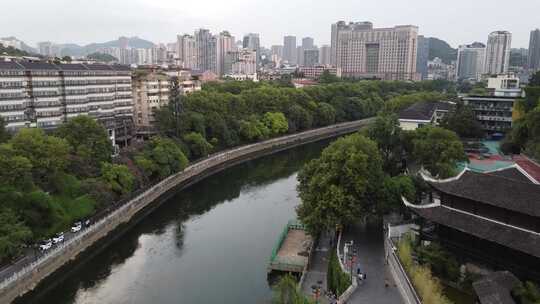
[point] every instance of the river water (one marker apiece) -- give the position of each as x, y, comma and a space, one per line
209, 243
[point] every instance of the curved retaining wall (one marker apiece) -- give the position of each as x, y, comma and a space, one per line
30, 275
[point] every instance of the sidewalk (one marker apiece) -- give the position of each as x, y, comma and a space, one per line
369, 244
316, 274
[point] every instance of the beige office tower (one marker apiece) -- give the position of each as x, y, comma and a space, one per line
187, 51
225, 44
385, 53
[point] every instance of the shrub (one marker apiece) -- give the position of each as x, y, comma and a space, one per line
337, 280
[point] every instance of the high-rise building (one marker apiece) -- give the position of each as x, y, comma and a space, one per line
422, 56
533, 59
151, 92
311, 57
187, 51
277, 50
386, 53
289, 49
252, 42
325, 55
206, 45
308, 43
336, 28
45, 95
225, 44
299, 55
498, 52
470, 61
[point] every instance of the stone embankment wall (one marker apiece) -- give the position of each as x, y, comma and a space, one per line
28, 276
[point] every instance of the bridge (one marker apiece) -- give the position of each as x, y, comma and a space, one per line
28, 271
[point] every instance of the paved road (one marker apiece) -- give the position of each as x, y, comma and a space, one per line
368, 240
317, 270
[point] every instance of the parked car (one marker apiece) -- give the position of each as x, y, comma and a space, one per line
45, 245
76, 227
58, 238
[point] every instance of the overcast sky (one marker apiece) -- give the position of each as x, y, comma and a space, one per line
86, 21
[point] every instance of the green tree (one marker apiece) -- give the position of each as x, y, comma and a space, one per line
198, 146
275, 122
463, 122
327, 77
287, 292
13, 233
47, 154
527, 293
253, 129
15, 170
161, 158
119, 178
325, 115
88, 139
387, 134
342, 185
4, 134
438, 150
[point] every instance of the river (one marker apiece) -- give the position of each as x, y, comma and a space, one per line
209, 243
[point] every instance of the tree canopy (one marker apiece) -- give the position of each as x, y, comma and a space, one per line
438, 150
341, 185
463, 121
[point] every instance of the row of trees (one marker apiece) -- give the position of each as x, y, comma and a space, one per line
227, 114
50, 180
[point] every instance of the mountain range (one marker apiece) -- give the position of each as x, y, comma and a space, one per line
72, 49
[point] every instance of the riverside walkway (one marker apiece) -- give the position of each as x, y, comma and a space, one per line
28, 271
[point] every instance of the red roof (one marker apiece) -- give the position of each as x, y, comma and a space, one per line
530, 166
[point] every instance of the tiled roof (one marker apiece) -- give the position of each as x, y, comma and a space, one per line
38, 65
99, 67
514, 238
71, 67
423, 110
495, 288
495, 190
10, 65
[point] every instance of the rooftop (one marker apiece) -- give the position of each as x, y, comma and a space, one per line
423, 110
499, 189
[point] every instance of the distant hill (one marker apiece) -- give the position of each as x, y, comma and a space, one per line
11, 51
102, 57
25, 47
71, 49
440, 48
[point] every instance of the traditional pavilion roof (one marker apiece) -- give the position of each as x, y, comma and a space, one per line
509, 189
423, 110
514, 237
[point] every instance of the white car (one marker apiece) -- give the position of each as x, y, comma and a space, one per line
76, 227
58, 238
46, 245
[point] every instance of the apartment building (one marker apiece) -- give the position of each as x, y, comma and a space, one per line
45, 95
495, 110
151, 91
470, 61
385, 53
498, 52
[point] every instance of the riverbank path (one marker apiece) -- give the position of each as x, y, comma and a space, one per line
369, 243
316, 274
